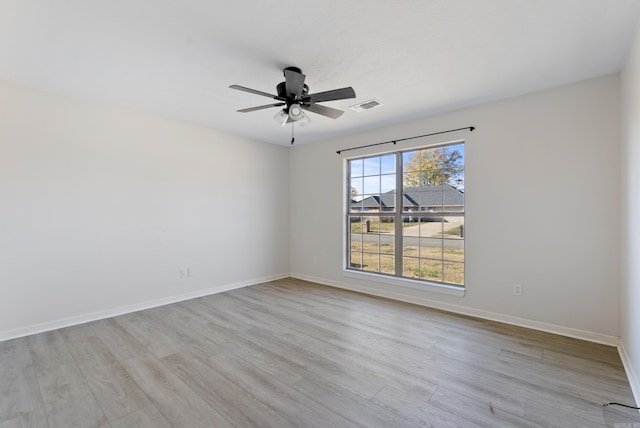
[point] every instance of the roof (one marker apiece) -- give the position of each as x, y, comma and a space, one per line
423, 196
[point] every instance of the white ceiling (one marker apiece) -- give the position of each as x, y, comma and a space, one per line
177, 58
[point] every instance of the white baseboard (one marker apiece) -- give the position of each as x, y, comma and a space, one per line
479, 313
628, 368
84, 318
391, 294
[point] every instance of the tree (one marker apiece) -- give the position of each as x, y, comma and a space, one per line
433, 167
354, 192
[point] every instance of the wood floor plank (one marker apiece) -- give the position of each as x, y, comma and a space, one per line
358, 353
286, 401
112, 386
85, 347
552, 417
207, 340
476, 411
67, 398
183, 333
210, 311
478, 372
52, 362
565, 379
585, 365
617, 417
34, 419
353, 408
19, 389
149, 335
416, 408
358, 382
148, 417
270, 362
178, 403
379, 367
73, 405
117, 339
294, 353
240, 407
355, 329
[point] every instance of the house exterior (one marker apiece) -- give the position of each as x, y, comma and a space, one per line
426, 199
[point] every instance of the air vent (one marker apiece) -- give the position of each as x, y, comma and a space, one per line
367, 105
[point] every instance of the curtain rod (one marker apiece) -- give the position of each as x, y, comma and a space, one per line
470, 128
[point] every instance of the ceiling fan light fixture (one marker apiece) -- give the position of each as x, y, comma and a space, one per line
281, 117
295, 112
304, 120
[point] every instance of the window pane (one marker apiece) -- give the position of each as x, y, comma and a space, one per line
355, 224
372, 225
356, 260
454, 165
356, 243
356, 168
431, 270
370, 262
454, 273
387, 264
370, 243
356, 187
370, 203
411, 267
387, 242
431, 198
453, 242
371, 185
372, 166
431, 248
387, 183
388, 201
388, 164
355, 206
411, 226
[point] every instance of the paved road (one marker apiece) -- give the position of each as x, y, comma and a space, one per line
419, 235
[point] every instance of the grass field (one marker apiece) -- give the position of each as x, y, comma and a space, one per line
432, 264
375, 226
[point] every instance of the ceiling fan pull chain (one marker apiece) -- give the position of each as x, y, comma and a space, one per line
292, 139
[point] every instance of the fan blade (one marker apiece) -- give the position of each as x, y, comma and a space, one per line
247, 110
333, 113
333, 95
256, 92
294, 82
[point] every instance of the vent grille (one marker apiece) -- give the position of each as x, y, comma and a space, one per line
366, 105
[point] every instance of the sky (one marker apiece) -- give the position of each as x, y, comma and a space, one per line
375, 175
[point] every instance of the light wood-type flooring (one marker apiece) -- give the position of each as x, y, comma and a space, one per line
290, 353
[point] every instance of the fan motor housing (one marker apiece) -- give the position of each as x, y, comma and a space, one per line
281, 90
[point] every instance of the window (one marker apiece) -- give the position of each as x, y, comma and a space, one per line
405, 215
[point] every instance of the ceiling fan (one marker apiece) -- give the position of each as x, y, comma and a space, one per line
293, 95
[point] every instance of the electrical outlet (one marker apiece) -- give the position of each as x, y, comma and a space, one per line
183, 273
189, 272
517, 290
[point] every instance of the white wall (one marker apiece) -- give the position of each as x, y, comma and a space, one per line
542, 199
630, 292
100, 209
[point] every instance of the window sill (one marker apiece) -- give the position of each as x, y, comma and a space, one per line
407, 283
